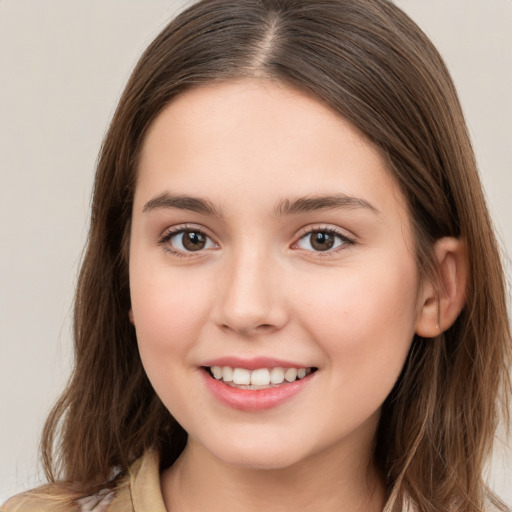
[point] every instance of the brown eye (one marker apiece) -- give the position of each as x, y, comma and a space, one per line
190, 241
193, 241
322, 240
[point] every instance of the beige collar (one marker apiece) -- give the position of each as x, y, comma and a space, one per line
145, 487
140, 491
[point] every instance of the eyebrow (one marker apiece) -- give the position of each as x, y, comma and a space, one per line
283, 208
181, 202
315, 203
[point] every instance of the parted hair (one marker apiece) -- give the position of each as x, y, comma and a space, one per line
367, 61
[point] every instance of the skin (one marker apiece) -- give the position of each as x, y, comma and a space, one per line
259, 288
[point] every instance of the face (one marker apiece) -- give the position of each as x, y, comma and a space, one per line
273, 282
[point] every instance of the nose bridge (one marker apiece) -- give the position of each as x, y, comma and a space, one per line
250, 301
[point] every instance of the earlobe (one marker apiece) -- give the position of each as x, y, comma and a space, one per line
130, 316
442, 302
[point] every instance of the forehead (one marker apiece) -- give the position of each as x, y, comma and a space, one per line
262, 141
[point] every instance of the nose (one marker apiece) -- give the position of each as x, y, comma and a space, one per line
251, 299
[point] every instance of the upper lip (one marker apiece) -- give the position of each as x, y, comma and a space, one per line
253, 363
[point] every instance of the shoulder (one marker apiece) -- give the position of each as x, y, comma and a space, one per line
41, 500
36, 500
140, 489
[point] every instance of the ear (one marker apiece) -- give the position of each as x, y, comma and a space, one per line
441, 302
130, 316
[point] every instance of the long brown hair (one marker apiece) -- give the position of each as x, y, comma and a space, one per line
369, 62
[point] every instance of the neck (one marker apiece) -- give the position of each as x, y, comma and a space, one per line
329, 482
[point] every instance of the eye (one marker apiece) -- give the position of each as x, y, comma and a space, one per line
322, 240
187, 240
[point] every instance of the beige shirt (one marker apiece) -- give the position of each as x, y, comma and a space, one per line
139, 493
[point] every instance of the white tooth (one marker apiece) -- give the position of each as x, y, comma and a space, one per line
227, 374
217, 372
301, 373
290, 374
260, 377
241, 376
277, 375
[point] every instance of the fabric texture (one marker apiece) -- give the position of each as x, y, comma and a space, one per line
139, 492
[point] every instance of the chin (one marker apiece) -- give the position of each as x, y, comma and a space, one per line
262, 455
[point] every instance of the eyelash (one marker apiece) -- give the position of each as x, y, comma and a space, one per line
172, 232
341, 236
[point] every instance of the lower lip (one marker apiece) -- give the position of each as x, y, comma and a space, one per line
255, 399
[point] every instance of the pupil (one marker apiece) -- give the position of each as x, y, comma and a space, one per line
193, 241
322, 241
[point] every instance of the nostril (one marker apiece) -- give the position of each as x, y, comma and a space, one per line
261, 328
264, 329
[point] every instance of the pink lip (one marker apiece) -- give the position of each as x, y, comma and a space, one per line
254, 399
253, 363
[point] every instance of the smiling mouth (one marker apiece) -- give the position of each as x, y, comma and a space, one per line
259, 378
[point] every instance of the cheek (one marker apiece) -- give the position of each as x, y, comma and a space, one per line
168, 319
167, 315
364, 327
364, 320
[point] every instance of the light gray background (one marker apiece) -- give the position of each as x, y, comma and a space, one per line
63, 64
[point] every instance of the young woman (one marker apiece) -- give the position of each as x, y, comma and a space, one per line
292, 296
